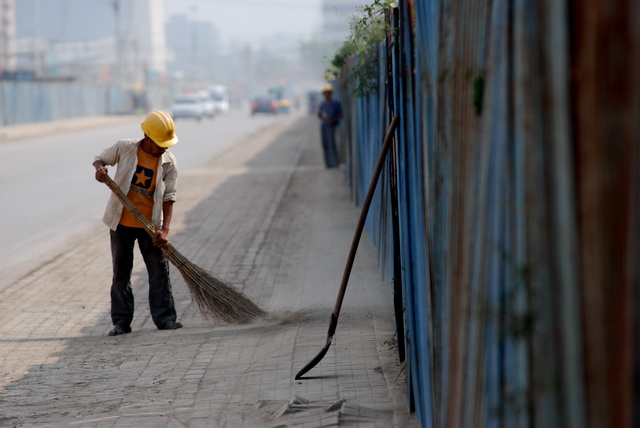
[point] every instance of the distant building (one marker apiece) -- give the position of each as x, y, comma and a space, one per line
194, 49
336, 19
7, 35
149, 33
117, 40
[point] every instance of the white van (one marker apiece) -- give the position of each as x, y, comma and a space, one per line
220, 97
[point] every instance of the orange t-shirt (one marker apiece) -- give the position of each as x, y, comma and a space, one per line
143, 184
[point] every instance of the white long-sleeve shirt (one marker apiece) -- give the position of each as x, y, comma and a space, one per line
124, 154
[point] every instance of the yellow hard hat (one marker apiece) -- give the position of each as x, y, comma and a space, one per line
160, 128
327, 88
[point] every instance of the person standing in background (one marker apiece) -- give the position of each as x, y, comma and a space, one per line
330, 113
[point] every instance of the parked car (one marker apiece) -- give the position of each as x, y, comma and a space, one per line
189, 107
220, 97
264, 104
221, 103
284, 106
209, 105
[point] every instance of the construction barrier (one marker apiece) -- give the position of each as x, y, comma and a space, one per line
516, 164
33, 101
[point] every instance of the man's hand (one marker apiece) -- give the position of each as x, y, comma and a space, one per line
161, 239
101, 171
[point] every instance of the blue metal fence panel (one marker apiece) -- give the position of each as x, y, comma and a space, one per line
503, 241
427, 43
493, 174
412, 220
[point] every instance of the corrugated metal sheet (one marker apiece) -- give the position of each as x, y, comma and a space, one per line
605, 98
518, 192
29, 102
411, 214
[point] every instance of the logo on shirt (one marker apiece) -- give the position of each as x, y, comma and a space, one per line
142, 179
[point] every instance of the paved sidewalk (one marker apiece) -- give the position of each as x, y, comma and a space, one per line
266, 216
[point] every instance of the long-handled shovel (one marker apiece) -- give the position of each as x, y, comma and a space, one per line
388, 140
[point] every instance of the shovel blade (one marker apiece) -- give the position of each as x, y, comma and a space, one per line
332, 330
311, 364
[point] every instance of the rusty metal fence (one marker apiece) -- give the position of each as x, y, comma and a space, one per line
515, 232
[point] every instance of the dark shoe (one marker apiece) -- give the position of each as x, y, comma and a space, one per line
170, 325
118, 330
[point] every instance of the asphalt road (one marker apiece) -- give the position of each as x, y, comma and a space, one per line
49, 197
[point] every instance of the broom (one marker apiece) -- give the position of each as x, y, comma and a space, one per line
214, 296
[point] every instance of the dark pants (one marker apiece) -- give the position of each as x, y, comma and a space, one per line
160, 298
329, 147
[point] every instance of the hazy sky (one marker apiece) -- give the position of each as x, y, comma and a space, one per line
252, 20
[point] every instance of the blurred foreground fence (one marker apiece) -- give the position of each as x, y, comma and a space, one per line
517, 207
27, 102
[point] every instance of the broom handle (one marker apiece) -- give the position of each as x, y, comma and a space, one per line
169, 251
148, 226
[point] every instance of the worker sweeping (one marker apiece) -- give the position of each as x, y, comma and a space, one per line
147, 173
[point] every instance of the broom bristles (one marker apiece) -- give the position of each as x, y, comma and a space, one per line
214, 297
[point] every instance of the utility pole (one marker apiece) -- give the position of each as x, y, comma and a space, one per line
38, 50
118, 42
194, 44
